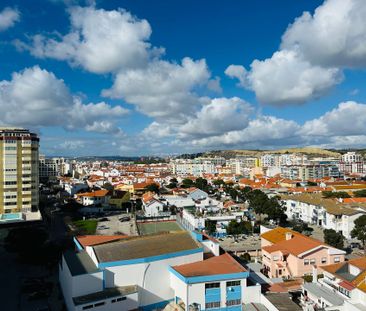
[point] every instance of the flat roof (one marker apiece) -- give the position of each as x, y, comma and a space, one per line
105, 294
321, 291
145, 246
283, 302
79, 263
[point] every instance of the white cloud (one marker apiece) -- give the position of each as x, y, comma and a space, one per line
220, 116
162, 89
8, 18
348, 119
286, 78
314, 51
36, 97
262, 131
100, 41
334, 35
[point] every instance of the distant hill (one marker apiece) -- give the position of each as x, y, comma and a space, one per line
311, 151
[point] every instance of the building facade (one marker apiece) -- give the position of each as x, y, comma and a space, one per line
19, 174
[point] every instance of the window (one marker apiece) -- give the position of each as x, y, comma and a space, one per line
275, 258
233, 302
232, 283
306, 262
88, 307
337, 259
99, 304
312, 261
211, 305
324, 259
212, 285
118, 299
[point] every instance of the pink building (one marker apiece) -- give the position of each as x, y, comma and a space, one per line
287, 253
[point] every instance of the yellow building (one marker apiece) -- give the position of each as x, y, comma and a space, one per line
19, 176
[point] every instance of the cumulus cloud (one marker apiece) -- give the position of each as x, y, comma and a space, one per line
220, 116
286, 78
262, 131
99, 41
348, 119
162, 89
35, 97
334, 35
8, 18
314, 51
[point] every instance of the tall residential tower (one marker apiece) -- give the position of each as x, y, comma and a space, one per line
19, 176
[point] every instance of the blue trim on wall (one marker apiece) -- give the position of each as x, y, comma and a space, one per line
149, 259
209, 278
78, 245
197, 236
103, 275
160, 305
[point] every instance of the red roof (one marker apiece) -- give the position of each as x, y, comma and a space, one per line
91, 240
223, 264
346, 285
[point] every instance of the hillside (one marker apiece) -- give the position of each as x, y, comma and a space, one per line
310, 151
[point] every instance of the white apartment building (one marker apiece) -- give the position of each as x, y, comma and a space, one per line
51, 167
342, 287
306, 172
195, 167
352, 162
19, 175
325, 213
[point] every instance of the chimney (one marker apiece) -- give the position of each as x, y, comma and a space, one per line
315, 274
288, 236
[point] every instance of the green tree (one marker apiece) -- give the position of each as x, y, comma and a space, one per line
360, 193
152, 188
210, 226
301, 227
187, 183
336, 194
359, 231
201, 183
333, 238
235, 228
218, 182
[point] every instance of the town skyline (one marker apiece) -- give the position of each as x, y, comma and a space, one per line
160, 79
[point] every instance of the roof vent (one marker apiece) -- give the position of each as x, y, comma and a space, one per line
288, 236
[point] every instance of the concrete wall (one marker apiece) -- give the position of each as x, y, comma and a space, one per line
153, 278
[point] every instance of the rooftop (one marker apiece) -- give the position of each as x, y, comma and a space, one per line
91, 240
283, 302
325, 293
145, 246
79, 263
332, 206
223, 264
105, 294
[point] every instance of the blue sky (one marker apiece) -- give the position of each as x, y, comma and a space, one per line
165, 77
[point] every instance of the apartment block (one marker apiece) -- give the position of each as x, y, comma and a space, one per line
19, 175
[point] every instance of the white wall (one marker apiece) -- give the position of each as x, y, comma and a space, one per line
131, 303
152, 278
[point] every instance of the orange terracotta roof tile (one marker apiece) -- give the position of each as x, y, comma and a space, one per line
278, 234
223, 264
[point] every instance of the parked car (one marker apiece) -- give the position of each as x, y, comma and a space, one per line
126, 218
104, 219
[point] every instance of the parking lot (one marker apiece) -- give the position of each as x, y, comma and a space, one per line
111, 225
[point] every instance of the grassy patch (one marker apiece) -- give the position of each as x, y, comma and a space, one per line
86, 226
